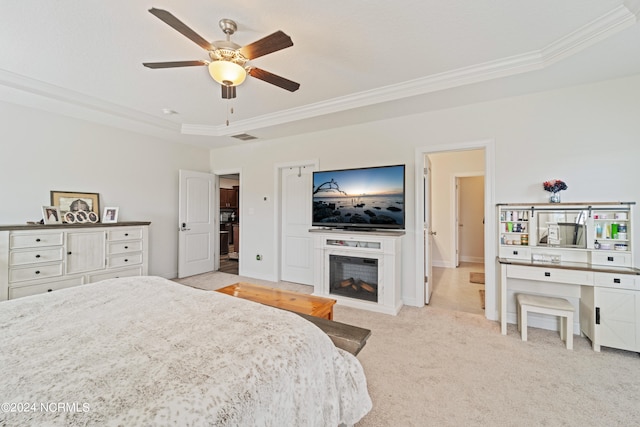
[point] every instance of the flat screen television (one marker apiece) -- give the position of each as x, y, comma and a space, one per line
364, 198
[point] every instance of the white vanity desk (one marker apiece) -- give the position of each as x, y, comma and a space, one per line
607, 299
582, 252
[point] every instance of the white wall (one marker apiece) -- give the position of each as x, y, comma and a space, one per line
40, 152
586, 135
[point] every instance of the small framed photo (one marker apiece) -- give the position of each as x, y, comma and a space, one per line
110, 215
51, 215
92, 217
82, 216
69, 217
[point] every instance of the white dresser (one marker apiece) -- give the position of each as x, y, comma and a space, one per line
43, 258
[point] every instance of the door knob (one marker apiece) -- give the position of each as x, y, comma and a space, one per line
184, 227
433, 233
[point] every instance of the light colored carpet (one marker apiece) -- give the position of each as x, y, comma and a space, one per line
437, 367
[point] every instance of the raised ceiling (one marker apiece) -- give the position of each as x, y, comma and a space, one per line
356, 61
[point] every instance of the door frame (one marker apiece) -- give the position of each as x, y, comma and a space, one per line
277, 208
217, 174
490, 249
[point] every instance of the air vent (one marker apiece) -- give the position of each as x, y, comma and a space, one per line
244, 136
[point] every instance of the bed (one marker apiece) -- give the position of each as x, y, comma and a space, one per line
148, 351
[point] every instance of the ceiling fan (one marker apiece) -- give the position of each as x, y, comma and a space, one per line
228, 63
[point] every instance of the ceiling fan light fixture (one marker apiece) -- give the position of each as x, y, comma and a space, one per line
227, 66
227, 73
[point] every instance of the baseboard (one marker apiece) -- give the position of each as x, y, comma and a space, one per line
442, 264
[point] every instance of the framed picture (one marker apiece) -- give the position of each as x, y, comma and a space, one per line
69, 217
92, 217
51, 215
110, 215
69, 201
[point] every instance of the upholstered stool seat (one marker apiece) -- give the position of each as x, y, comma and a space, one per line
546, 305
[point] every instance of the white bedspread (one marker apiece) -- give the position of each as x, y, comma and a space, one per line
148, 351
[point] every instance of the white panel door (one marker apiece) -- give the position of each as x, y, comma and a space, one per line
196, 223
297, 243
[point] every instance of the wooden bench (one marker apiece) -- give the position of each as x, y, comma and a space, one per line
317, 310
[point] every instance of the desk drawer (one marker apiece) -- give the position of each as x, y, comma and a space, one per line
515, 252
550, 274
618, 259
35, 256
619, 281
37, 272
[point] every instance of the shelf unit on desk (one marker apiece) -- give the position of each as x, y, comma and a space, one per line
601, 283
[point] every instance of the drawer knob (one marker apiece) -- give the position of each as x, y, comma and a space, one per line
126, 247
547, 274
38, 256
69, 253
49, 290
126, 260
616, 280
37, 240
37, 271
515, 252
126, 234
610, 258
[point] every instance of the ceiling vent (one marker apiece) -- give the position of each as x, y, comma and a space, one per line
244, 137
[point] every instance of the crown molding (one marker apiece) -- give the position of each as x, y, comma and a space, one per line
30, 92
606, 26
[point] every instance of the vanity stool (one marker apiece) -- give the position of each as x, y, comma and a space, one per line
546, 305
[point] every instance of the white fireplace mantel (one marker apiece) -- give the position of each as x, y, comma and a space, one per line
385, 246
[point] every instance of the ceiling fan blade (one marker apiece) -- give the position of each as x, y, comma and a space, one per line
181, 27
268, 77
266, 45
174, 64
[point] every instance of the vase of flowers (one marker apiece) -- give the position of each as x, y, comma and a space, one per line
554, 187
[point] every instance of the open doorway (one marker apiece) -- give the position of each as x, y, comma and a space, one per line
229, 219
457, 222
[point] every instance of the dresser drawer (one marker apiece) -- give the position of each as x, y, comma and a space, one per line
36, 272
129, 272
35, 240
620, 281
35, 256
515, 252
124, 247
618, 259
124, 260
25, 291
544, 274
133, 233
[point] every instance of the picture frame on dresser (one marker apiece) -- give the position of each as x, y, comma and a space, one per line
51, 215
110, 215
69, 201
